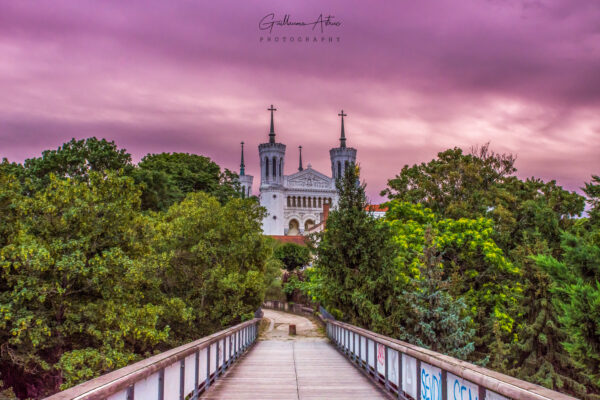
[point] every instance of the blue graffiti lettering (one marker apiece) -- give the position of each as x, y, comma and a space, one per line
460, 391
431, 386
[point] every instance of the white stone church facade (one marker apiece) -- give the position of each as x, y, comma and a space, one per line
295, 202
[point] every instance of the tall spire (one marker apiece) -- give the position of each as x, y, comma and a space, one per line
242, 166
272, 131
300, 163
343, 137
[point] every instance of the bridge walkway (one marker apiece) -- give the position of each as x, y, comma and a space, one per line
305, 366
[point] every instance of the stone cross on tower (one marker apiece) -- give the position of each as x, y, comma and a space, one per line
343, 137
242, 166
272, 132
300, 162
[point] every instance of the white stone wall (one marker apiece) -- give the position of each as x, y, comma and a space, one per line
343, 156
273, 200
246, 184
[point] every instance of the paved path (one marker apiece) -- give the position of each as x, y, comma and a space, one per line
304, 366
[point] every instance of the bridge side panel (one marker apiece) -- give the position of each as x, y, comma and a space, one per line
431, 383
409, 375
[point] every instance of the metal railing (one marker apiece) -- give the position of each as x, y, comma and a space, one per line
413, 372
296, 308
181, 373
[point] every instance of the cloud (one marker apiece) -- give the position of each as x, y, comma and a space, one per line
415, 79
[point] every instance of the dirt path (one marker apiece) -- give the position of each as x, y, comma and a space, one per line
279, 327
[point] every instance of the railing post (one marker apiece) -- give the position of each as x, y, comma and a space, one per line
130, 393
418, 378
375, 369
207, 384
353, 346
217, 360
224, 351
181, 379
401, 377
445, 385
360, 360
161, 384
230, 343
387, 378
367, 354
196, 372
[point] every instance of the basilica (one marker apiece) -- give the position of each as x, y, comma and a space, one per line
298, 203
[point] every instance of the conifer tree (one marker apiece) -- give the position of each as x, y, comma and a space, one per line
435, 320
354, 273
538, 355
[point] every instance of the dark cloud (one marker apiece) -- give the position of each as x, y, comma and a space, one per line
415, 77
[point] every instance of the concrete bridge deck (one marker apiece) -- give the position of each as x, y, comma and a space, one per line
305, 366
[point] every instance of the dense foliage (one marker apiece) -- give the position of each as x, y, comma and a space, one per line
104, 262
168, 177
484, 266
293, 256
90, 282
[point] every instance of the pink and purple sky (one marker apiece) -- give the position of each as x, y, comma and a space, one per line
414, 77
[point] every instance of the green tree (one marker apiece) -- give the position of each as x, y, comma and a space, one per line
293, 256
354, 272
482, 184
273, 274
76, 159
214, 263
454, 185
168, 177
72, 304
576, 295
538, 354
592, 191
474, 267
435, 320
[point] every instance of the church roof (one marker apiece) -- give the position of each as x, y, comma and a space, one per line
376, 208
308, 171
301, 240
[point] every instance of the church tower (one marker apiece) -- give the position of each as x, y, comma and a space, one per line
272, 156
245, 180
341, 157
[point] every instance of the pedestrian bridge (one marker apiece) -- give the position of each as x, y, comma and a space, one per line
335, 361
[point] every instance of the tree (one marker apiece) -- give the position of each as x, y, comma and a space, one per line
482, 184
454, 185
168, 177
592, 190
354, 273
213, 261
73, 303
576, 295
435, 320
76, 159
473, 266
538, 354
293, 256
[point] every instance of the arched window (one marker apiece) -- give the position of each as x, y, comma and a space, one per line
266, 167
248, 191
346, 165
274, 167
308, 224
304, 202
289, 203
281, 167
320, 205
339, 174
293, 228
314, 202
